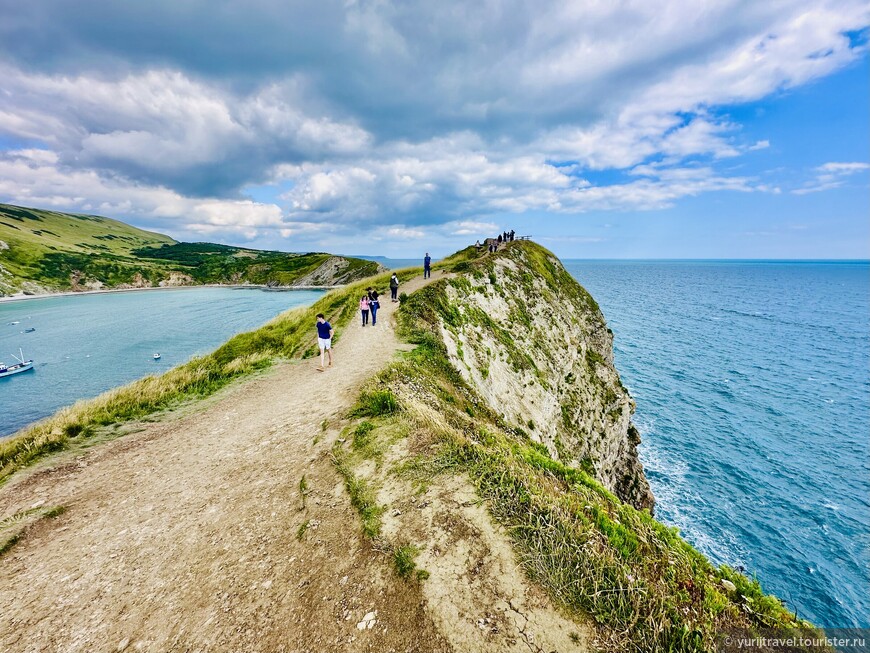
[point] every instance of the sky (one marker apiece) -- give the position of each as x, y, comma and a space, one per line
624, 129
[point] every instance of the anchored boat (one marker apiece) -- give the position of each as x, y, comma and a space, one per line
21, 366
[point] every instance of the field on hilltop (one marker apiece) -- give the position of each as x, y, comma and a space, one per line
48, 251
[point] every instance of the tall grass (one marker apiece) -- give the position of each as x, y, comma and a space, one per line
291, 335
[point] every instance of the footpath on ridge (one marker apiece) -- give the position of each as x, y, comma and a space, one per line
183, 536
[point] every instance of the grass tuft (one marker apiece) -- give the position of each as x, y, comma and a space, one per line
374, 403
404, 560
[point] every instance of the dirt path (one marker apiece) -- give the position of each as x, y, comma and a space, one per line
184, 536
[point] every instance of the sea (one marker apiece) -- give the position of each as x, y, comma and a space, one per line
752, 383
86, 344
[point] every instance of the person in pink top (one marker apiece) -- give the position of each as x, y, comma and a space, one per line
364, 309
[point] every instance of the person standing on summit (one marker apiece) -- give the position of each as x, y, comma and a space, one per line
427, 266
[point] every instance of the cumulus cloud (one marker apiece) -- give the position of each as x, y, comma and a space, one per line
404, 115
34, 178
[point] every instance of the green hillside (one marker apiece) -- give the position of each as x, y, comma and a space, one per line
47, 251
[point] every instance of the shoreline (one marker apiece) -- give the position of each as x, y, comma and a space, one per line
75, 293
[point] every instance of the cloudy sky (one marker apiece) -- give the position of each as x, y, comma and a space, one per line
734, 128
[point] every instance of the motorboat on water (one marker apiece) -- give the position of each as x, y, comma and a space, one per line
29, 329
21, 366
157, 357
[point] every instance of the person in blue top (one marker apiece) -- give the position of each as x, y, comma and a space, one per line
324, 340
427, 266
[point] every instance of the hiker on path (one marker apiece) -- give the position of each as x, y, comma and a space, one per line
499, 240
511, 235
374, 304
324, 340
364, 309
394, 287
427, 266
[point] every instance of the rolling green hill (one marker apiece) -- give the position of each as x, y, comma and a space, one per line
47, 251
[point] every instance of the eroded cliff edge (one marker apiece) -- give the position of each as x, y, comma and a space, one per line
534, 344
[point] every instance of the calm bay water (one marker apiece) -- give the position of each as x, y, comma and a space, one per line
752, 382
86, 344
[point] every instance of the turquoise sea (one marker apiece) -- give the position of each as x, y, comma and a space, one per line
752, 383
86, 344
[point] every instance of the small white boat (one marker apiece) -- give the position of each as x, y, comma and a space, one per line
21, 366
157, 357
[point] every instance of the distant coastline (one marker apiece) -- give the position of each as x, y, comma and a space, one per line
75, 293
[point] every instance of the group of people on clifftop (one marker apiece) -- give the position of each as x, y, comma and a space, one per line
492, 244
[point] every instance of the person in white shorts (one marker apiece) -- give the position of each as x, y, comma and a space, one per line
324, 340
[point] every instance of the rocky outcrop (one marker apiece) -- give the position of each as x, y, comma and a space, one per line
532, 342
177, 279
334, 271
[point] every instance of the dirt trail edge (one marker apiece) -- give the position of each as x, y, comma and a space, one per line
191, 536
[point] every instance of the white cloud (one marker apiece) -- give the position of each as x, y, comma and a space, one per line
33, 178
471, 227
831, 175
405, 233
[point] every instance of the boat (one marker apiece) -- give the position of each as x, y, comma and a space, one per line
21, 366
157, 357
29, 329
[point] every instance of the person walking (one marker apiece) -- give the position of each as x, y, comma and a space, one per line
394, 287
427, 266
374, 304
511, 235
364, 309
324, 340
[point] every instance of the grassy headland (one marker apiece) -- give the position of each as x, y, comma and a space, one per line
48, 251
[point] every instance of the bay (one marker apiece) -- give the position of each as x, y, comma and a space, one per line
86, 344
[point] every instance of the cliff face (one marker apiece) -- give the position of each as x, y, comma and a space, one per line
534, 344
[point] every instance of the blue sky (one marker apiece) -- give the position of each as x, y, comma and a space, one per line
604, 130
